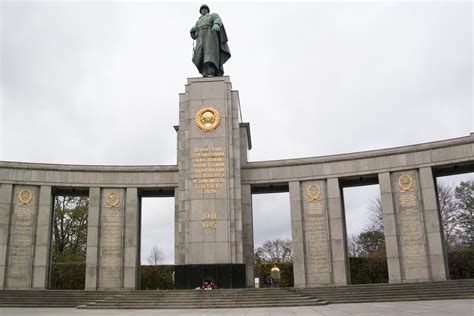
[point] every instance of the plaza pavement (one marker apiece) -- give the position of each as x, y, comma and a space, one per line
439, 307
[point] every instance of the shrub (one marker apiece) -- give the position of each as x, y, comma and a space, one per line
368, 270
153, 277
68, 276
461, 263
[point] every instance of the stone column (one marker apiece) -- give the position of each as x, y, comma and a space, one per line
131, 255
390, 228
297, 235
92, 239
22, 234
179, 237
411, 229
43, 239
111, 250
337, 229
6, 191
247, 234
434, 230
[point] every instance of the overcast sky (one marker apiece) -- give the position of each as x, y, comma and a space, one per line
97, 82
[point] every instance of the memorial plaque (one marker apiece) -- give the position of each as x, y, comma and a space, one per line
410, 225
316, 234
111, 237
208, 168
20, 259
411, 231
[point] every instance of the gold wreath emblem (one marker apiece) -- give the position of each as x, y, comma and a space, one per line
313, 192
406, 183
25, 197
207, 119
113, 199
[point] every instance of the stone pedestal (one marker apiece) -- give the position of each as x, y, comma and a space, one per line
209, 219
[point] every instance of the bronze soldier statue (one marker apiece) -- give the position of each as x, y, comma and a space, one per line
210, 50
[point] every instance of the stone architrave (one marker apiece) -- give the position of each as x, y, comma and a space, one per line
20, 255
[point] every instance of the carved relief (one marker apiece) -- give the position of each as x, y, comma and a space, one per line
207, 119
313, 192
25, 197
406, 183
113, 199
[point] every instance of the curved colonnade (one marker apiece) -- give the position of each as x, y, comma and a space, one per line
406, 176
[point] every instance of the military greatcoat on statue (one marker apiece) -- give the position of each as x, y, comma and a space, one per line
210, 50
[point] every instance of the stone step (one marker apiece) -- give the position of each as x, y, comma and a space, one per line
193, 299
119, 300
390, 292
459, 289
211, 299
165, 305
395, 299
386, 287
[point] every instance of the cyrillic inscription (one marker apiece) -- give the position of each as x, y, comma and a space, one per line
411, 230
21, 242
111, 244
208, 168
316, 236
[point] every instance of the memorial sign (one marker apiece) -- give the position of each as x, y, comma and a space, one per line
111, 240
411, 228
316, 234
20, 260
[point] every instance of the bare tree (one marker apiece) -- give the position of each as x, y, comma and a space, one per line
367, 243
352, 246
276, 250
456, 205
464, 194
376, 215
156, 256
449, 215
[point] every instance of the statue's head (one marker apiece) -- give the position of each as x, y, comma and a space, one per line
204, 9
